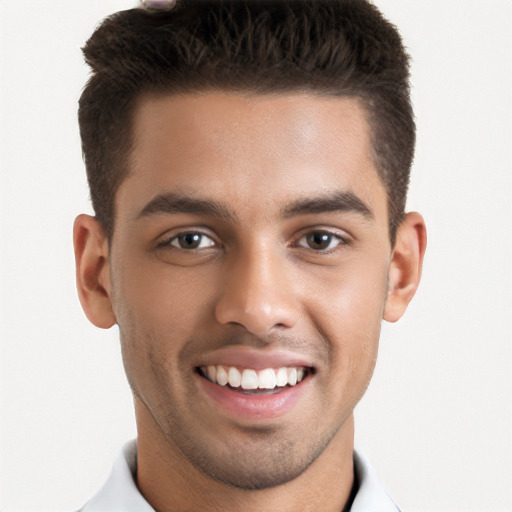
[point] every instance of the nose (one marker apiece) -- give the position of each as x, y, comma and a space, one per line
257, 293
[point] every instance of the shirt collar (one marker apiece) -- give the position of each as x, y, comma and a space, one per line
370, 496
120, 492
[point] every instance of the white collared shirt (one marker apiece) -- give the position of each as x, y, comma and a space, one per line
120, 492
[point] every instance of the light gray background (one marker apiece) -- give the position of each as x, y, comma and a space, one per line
436, 422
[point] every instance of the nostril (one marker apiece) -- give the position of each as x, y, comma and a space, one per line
259, 320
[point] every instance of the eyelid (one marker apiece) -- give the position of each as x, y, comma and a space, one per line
171, 235
343, 237
202, 235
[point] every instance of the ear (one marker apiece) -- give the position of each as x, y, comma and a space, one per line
92, 271
405, 267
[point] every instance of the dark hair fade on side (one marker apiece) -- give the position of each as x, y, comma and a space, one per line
343, 48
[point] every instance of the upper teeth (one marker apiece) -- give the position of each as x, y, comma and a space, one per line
269, 378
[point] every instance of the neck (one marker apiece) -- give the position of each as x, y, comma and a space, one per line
170, 482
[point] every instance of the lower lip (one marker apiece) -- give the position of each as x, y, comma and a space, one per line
254, 407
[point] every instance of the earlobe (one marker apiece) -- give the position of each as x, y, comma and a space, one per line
92, 271
406, 265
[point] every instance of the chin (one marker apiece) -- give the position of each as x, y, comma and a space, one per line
272, 460
251, 479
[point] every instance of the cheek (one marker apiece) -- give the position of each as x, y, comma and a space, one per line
352, 295
158, 309
347, 309
163, 298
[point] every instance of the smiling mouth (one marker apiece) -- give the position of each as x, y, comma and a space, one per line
255, 382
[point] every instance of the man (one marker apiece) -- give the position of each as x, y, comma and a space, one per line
248, 164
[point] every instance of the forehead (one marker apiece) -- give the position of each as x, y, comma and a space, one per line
262, 149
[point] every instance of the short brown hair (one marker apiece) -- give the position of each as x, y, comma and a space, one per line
324, 47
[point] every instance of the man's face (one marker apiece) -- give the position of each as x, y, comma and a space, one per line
251, 234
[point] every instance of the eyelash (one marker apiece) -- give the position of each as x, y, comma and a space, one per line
168, 242
342, 241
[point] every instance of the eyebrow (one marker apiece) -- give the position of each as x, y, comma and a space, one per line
340, 201
170, 203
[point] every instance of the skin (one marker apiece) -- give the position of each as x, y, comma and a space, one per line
257, 283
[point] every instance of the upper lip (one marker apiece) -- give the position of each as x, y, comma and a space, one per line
257, 359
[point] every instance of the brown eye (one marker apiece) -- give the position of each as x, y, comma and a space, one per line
192, 241
320, 241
